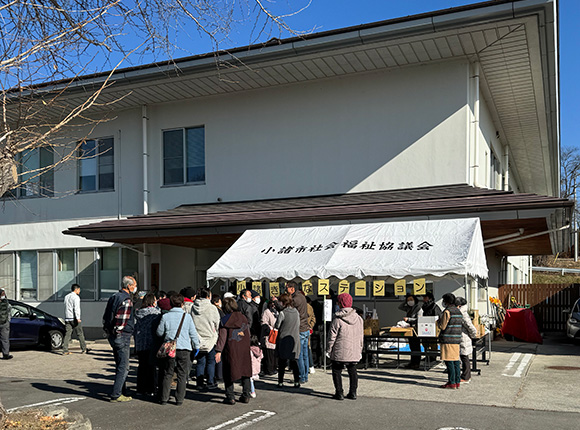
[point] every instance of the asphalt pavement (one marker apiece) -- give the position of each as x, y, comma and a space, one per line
525, 386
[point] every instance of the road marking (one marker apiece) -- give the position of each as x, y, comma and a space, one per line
263, 416
54, 402
525, 359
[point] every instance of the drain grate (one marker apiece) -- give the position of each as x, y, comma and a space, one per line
563, 367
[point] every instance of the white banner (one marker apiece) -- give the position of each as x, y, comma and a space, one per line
396, 250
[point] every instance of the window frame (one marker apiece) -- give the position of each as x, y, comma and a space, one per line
46, 176
54, 297
184, 166
96, 157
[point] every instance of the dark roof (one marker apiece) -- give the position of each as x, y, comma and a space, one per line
438, 200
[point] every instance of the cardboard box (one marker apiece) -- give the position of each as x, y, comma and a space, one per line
371, 327
427, 327
400, 331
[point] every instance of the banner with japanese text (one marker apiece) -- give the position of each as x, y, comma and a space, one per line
414, 249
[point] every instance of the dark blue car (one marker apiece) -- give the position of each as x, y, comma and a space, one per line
32, 327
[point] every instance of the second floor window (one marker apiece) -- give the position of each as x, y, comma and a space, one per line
36, 174
97, 165
184, 156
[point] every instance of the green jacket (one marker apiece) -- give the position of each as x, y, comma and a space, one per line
4, 311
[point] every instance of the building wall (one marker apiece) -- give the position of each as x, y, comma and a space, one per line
362, 133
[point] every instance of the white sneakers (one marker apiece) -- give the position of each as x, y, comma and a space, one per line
312, 370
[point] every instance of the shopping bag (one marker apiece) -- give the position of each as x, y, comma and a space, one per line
167, 349
273, 337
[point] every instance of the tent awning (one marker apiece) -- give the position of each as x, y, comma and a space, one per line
389, 250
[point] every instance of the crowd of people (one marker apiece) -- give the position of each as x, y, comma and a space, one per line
228, 339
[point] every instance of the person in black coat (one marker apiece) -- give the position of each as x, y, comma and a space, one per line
411, 307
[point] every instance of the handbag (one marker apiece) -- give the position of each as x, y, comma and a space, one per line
167, 349
273, 336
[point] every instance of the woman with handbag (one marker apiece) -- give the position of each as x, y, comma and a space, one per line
288, 342
268, 320
179, 333
233, 349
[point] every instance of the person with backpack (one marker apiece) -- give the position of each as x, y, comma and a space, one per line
5, 325
118, 323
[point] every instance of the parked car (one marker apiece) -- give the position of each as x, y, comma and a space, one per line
30, 326
573, 323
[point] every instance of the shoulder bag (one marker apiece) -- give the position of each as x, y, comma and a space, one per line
168, 348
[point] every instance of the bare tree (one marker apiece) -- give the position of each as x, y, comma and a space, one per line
58, 41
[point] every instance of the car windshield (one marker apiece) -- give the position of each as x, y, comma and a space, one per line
19, 311
22, 311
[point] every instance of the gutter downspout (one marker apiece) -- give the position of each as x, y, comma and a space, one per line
476, 122
506, 162
146, 256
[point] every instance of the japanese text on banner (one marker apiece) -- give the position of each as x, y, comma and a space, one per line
257, 287
323, 287
343, 287
419, 288
400, 287
240, 285
360, 288
378, 288
274, 289
307, 288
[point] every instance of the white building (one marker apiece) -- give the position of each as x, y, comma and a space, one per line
442, 115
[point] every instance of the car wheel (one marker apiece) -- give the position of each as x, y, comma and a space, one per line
55, 339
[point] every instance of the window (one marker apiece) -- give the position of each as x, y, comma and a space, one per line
495, 173
65, 271
184, 156
35, 172
97, 165
49, 275
7, 281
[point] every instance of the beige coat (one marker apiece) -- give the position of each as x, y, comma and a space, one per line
345, 338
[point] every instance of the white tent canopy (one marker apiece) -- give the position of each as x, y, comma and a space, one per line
388, 250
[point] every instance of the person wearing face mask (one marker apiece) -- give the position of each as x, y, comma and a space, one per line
118, 323
256, 326
468, 331
412, 307
245, 305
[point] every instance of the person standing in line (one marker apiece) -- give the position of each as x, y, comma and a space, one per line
268, 320
72, 320
299, 303
257, 355
344, 347
311, 325
256, 326
288, 342
118, 323
5, 325
188, 338
146, 345
216, 300
233, 348
245, 305
468, 331
206, 318
450, 325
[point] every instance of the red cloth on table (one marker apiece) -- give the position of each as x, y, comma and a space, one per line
522, 324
